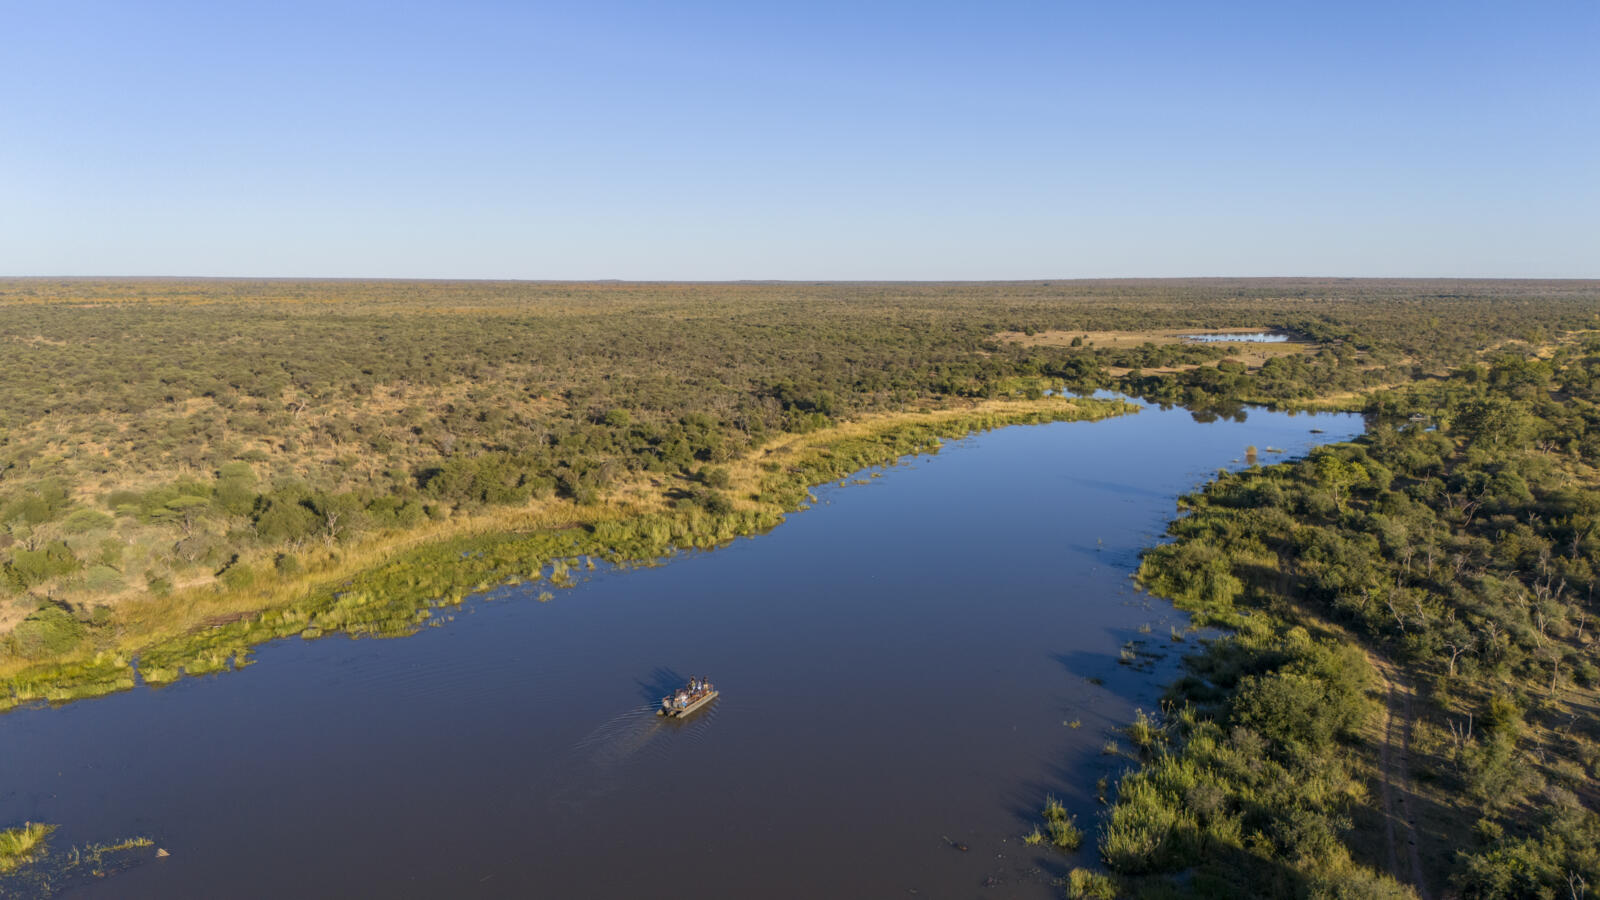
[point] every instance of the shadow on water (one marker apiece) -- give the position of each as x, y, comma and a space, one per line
1121, 489
662, 681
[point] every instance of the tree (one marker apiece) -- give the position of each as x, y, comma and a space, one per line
1338, 475
1494, 422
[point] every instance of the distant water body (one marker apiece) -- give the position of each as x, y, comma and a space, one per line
900, 667
1260, 337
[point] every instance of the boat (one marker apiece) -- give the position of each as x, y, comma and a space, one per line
687, 699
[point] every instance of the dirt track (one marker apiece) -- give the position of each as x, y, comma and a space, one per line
1398, 790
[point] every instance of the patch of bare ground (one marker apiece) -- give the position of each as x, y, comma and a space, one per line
1116, 340
1341, 400
1402, 836
1392, 831
13, 613
1253, 354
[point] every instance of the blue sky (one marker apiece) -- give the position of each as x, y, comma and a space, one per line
809, 141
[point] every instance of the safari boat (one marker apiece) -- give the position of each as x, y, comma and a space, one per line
687, 699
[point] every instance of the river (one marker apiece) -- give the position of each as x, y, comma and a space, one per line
900, 666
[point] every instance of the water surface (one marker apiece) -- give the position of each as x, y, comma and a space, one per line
1222, 337
899, 668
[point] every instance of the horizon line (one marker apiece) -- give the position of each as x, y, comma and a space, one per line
819, 280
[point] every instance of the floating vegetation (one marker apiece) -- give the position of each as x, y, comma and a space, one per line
1087, 884
1136, 656
19, 845
29, 869
1063, 827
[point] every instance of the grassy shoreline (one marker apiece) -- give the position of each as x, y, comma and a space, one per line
389, 584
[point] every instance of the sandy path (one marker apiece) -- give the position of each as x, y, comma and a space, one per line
1397, 788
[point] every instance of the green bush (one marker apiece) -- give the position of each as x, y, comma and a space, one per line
284, 520
31, 567
48, 631
239, 577
80, 521
1085, 884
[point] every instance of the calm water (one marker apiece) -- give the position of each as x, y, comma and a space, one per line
898, 668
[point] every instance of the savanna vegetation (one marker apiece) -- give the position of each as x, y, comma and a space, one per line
188, 468
1409, 682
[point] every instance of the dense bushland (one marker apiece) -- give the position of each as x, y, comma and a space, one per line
1457, 543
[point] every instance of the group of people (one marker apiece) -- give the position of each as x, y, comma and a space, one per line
697, 686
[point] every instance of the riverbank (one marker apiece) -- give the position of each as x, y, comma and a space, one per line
1403, 704
390, 583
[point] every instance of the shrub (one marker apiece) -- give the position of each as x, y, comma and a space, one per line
1146, 831
1084, 884
48, 631
239, 577
284, 520
31, 567
80, 521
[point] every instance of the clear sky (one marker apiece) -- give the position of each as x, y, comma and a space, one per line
819, 140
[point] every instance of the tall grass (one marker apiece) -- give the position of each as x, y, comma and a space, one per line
1062, 826
18, 845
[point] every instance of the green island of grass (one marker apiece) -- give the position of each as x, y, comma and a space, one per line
28, 867
19, 845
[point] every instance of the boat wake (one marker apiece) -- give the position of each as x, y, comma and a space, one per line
622, 737
598, 762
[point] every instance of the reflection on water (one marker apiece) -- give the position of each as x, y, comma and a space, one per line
901, 668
